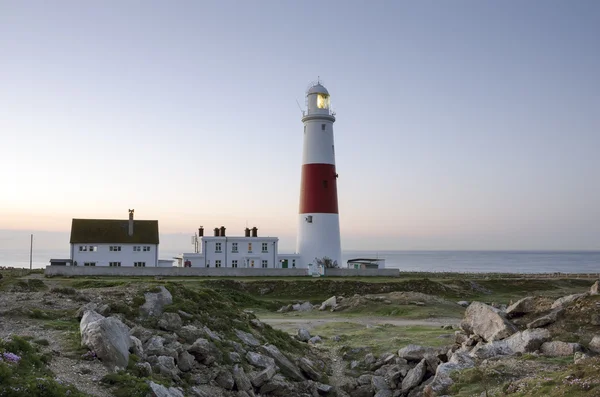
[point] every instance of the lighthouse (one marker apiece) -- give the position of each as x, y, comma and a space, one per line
319, 223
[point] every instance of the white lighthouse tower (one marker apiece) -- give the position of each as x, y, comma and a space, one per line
319, 223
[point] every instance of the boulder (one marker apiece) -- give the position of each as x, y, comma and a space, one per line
308, 368
487, 322
155, 346
225, 380
302, 307
212, 334
157, 390
276, 387
247, 338
594, 288
205, 352
329, 303
108, 337
323, 388
189, 333
185, 361
566, 300
166, 366
206, 391
526, 341
259, 361
547, 319
579, 357
144, 369
417, 352
362, 391
85, 308
241, 380
143, 334
520, 307
595, 344
379, 383
442, 380
414, 377
286, 367
170, 322
256, 323
136, 346
285, 309
558, 349
155, 301
263, 376
303, 335
315, 340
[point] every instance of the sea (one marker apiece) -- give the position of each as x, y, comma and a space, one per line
409, 261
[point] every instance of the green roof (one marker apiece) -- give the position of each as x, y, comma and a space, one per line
109, 231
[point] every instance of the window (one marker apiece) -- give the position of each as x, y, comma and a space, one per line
234, 263
114, 248
249, 248
252, 263
265, 263
234, 247
137, 248
139, 264
146, 248
82, 248
325, 184
114, 264
323, 127
309, 219
265, 247
92, 248
323, 101
89, 264
293, 263
218, 263
217, 247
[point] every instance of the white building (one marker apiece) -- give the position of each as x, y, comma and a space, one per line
115, 243
249, 251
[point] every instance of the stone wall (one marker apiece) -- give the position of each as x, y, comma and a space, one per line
362, 273
67, 271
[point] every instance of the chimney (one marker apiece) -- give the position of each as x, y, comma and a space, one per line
254, 231
222, 231
130, 223
246, 232
216, 232
201, 231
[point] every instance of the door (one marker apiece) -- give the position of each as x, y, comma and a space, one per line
284, 264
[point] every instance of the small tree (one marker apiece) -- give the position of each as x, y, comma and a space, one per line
327, 263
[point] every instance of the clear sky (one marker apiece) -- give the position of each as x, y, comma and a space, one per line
460, 124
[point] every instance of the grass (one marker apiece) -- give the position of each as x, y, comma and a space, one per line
126, 385
30, 376
382, 338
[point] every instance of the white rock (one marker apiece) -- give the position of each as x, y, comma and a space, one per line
329, 303
487, 322
558, 349
566, 300
595, 344
155, 301
108, 338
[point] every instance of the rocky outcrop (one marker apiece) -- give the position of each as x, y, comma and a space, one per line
155, 302
566, 300
487, 322
108, 337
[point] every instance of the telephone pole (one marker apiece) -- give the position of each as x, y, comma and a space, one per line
31, 253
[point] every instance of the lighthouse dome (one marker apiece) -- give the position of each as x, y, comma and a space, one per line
317, 89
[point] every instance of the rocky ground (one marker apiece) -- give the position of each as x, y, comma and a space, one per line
164, 338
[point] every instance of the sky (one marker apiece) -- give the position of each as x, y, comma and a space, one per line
460, 125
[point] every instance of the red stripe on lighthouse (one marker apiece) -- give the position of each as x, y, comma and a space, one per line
318, 189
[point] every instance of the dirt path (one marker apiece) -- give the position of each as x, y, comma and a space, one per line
287, 324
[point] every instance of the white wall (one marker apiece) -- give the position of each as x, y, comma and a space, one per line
127, 256
244, 258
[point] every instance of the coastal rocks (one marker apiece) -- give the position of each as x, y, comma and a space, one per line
241, 380
558, 349
161, 391
329, 303
547, 319
303, 335
264, 376
185, 361
566, 300
189, 333
155, 301
205, 352
417, 352
247, 338
259, 361
308, 368
487, 322
521, 342
107, 337
315, 340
